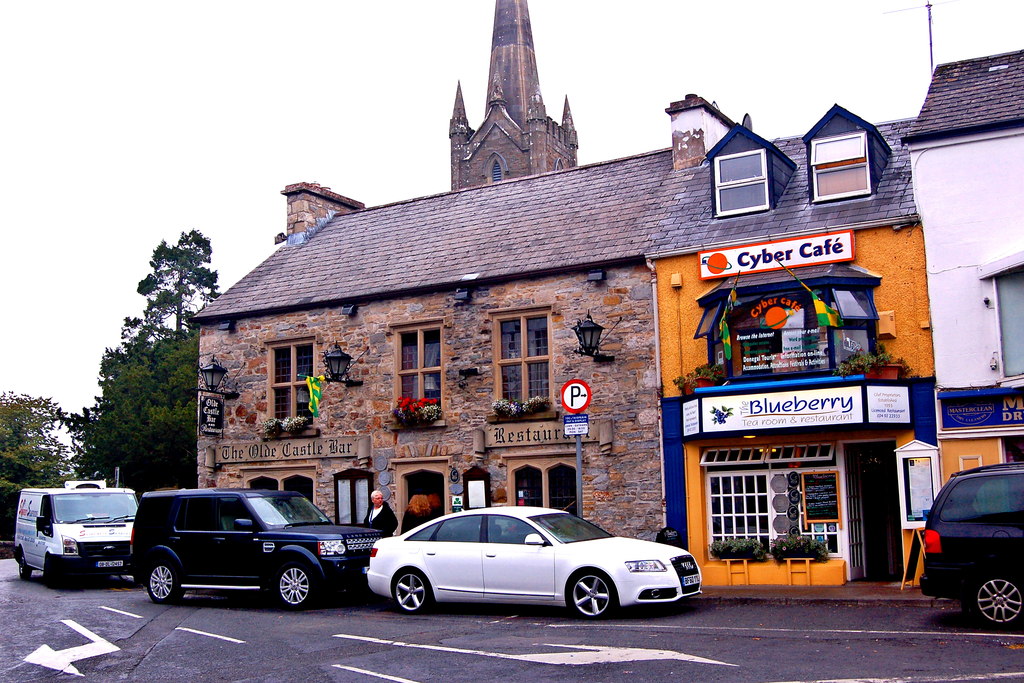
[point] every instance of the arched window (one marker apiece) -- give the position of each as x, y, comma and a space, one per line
496, 172
299, 484
529, 487
562, 488
263, 484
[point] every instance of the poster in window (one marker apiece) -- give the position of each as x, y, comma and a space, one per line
821, 496
920, 494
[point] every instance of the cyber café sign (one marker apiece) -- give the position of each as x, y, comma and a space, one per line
995, 411
794, 409
813, 250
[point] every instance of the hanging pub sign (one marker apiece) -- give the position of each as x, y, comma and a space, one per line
811, 250
211, 415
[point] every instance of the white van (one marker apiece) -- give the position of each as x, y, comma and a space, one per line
83, 528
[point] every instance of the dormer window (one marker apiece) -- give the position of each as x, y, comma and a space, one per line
840, 166
741, 183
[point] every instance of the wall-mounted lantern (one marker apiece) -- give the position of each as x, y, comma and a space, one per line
589, 334
338, 364
212, 374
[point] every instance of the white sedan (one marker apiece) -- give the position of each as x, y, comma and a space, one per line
527, 555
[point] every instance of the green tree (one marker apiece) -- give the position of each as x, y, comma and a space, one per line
144, 421
31, 454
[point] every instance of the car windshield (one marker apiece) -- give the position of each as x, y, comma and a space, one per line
287, 511
569, 528
80, 508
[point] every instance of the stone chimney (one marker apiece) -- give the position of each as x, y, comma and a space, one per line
697, 126
308, 202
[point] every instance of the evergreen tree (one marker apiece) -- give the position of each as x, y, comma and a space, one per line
30, 452
145, 419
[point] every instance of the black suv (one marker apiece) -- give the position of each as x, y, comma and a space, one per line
245, 539
974, 543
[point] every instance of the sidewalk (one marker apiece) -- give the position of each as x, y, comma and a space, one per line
853, 593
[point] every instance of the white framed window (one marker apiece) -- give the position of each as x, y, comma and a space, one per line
1010, 297
741, 183
839, 166
739, 504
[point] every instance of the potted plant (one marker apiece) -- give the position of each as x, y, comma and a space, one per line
417, 412
707, 375
293, 425
796, 545
272, 428
738, 549
509, 407
879, 364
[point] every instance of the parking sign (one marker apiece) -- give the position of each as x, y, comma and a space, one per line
575, 396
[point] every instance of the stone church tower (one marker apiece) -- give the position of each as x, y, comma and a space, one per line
517, 137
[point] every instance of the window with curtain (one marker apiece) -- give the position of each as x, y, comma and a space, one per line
840, 166
419, 363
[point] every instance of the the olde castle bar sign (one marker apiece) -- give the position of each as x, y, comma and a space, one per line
503, 435
291, 449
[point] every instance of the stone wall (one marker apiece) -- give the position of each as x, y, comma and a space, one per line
622, 476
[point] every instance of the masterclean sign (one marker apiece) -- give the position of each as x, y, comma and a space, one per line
811, 250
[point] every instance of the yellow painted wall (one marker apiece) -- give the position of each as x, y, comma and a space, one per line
963, 454
896, 255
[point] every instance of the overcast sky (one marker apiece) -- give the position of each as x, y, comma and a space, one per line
125, 123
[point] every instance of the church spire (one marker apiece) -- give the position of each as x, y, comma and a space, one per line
513, 61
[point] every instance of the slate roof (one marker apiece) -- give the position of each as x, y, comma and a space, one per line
973, 95
601, 214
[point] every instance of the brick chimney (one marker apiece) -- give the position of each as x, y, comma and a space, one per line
308, 202
697, 126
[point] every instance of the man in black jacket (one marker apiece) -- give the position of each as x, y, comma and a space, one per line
380, 516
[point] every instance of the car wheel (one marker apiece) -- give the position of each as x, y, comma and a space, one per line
24, 571
591, 594
51, 577
411, 590
296, 586
163, 584
998, 601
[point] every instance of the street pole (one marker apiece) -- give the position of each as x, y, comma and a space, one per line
579, 475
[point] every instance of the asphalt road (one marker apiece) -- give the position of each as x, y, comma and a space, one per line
109, 630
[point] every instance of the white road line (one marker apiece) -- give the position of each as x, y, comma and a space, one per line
210, 635
842, 632
117, 611
922, 679
374, 674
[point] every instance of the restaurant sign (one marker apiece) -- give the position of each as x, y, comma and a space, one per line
983, 411
810, 250
292, 449
506, 434
782, 409
211, 415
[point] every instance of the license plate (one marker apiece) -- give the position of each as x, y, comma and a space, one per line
691, 580
110, 563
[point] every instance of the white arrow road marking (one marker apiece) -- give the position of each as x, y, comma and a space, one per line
209, 635
584, 654
396, 679
62, 660
117, 611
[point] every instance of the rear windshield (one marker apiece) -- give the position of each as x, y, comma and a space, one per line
992, 500
569, 528
81, 508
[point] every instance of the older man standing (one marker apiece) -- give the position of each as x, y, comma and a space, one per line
380, 516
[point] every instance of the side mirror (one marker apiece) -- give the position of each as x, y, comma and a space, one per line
243, 525
43, 526
534, 539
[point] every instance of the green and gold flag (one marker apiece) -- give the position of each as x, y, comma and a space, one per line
827, 316
723, 324
314, 383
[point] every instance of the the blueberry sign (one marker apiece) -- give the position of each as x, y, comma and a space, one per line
782, 409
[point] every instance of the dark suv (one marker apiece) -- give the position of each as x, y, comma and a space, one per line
245, 539
974, 543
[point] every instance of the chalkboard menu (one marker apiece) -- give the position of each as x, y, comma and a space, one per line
821, 496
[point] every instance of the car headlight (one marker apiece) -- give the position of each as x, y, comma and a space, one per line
332, 547
645, 566
70, 546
